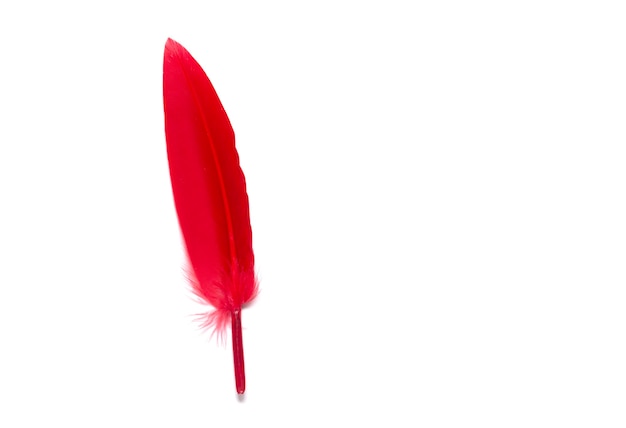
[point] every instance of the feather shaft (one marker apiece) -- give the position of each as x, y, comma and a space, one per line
240, 376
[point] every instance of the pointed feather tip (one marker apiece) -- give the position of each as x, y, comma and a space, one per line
173, 48
170, 43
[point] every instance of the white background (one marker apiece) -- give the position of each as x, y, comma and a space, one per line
437, 194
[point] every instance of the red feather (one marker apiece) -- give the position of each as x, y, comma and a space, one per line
210, 195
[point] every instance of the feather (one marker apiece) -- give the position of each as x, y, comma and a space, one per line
210, 196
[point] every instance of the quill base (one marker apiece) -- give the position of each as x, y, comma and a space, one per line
240, 373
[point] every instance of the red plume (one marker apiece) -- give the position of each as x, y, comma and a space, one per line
210, 195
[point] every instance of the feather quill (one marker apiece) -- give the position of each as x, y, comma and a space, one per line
210, 196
